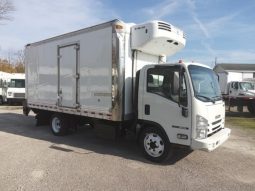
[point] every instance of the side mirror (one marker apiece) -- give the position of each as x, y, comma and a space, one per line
236, 86
185, 112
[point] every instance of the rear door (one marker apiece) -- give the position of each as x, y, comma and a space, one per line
68, 75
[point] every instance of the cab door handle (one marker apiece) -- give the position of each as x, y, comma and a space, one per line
147, 109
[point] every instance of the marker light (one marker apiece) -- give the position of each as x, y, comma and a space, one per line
119, 27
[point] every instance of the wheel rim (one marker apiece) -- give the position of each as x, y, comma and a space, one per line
154, 145
56, 125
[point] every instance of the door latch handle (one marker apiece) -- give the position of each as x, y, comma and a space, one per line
147, 109
185, 112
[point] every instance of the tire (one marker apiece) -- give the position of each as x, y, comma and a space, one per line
251, 108
155, 144
1, 100
59, 124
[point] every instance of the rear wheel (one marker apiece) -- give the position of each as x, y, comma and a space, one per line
155, 144
59, 125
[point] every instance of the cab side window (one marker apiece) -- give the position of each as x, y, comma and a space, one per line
164, 82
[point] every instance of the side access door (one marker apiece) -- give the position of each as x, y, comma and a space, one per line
165, 100
68, 75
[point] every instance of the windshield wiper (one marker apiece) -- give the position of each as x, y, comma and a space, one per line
207, 98
217, 98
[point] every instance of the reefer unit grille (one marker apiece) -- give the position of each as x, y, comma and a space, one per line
164, 26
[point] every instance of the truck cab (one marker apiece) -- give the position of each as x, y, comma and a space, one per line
236, 88
16, 89
180, 104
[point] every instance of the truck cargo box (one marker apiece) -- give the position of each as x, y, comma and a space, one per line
91, 72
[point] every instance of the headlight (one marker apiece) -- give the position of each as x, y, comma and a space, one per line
201, 127
9, 93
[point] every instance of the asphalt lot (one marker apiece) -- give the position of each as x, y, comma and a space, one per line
33, 159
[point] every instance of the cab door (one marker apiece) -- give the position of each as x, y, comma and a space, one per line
165, 100
234, 89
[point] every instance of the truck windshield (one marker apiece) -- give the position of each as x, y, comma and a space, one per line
205, 84
17, 83
246, 86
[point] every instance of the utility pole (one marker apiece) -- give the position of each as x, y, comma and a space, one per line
215, 61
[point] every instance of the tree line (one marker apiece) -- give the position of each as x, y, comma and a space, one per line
14, 63
5, 66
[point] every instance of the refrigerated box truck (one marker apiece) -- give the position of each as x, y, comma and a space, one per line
115, 74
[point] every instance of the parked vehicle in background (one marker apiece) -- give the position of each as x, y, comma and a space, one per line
114, 75
237, 85
16, 88
4, 80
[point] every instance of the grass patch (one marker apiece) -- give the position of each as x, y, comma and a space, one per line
241, 122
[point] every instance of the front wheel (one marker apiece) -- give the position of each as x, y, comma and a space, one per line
155, 144
59, 125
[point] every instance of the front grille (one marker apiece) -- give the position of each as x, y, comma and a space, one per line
216, 122
209, 135
164, 26
19, 95
215, 128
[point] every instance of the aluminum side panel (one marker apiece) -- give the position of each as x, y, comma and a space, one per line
95, 70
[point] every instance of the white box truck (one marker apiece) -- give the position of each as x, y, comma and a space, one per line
114, 73
16, 88
236, 91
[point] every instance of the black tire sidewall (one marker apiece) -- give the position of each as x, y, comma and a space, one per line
251, 108
167, 145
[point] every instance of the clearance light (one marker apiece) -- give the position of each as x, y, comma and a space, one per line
119, 27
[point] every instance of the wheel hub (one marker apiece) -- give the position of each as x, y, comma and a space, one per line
56, 125
153, 145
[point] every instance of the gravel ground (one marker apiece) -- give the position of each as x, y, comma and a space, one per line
33, 159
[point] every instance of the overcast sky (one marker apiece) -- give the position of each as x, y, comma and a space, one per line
214, 28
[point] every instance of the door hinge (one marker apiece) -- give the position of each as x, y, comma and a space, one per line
77, 47
77, 105
77, 76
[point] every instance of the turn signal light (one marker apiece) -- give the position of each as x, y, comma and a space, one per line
182, 136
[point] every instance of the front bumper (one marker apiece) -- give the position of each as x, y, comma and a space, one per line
211, 143
15, 100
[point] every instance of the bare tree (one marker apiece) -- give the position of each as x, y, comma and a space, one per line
20, 56
6, 7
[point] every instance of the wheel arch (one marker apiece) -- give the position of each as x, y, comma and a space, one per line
145, 124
